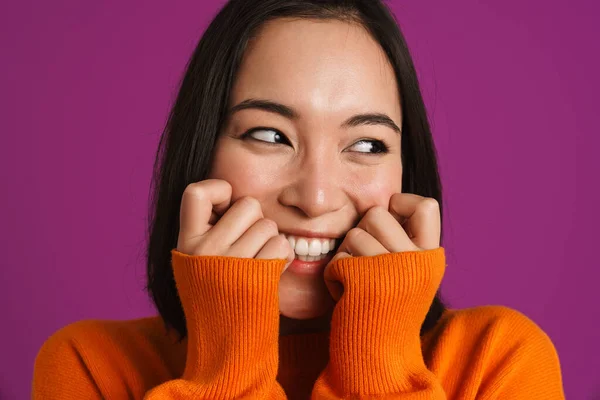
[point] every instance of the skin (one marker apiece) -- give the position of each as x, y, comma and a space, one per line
313, 173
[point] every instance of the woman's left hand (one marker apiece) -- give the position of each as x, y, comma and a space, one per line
412, 223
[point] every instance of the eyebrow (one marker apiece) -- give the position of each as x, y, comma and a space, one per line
290, 113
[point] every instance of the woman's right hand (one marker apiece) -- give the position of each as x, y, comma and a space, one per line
210, 225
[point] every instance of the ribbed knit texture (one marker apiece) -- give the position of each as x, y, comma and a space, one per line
234, 351
375, 345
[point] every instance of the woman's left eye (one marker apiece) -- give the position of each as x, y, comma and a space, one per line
370, 146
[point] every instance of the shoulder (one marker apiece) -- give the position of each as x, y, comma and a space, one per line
502, 343
92, 335
496, 325
92, 355
498, 318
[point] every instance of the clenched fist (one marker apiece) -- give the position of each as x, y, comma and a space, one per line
211, 225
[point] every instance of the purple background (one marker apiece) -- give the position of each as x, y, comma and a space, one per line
512, 90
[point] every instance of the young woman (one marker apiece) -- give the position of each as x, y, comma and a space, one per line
295, 238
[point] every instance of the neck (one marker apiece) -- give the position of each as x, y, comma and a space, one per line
290, 326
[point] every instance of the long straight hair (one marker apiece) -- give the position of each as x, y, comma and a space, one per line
186, 147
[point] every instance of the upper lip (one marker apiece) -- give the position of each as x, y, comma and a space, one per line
311, 234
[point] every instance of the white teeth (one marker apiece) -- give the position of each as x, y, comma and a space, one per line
301, 247
314, 248
311, 258
325, 247
292, 241
311, 247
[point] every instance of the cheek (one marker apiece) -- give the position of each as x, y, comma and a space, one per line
247, 174
376, 187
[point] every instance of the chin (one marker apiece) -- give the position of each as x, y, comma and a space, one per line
304, 303
303, 312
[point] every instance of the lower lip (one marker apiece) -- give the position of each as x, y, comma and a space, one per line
310, 267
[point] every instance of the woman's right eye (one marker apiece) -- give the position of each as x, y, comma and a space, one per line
268, 135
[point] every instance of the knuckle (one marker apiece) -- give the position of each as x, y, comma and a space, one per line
251, 204
269, 225
194, 190
282, 246
281, 243
354, 233
396, 197
220, 182
371, 217
375, 214
429, 204
373, 211
190, 186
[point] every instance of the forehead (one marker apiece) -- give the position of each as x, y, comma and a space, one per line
317, 65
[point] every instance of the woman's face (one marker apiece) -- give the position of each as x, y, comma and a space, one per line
314, 170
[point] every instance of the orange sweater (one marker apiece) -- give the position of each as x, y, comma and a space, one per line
234, 351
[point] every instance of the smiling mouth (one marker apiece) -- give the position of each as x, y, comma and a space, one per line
312, 249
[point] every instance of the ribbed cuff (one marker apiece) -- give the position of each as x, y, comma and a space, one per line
231, 307
375, 345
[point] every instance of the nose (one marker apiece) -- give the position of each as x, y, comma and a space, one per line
315, 187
